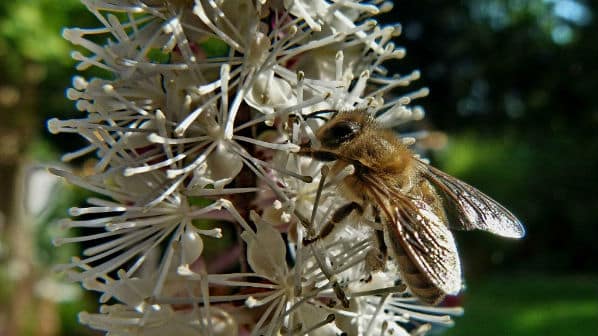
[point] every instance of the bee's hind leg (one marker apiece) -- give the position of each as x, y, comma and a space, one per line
376, 258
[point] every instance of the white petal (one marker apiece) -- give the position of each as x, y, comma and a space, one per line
223, 165
266, 251
269, 92
311, 315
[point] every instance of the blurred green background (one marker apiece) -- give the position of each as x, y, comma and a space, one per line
513, 85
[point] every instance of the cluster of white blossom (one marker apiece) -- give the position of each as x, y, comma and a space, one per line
202, 201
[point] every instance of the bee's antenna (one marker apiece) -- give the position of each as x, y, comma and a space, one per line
318, 114
256, 161
303, 178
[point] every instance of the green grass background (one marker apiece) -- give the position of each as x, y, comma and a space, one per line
529, 305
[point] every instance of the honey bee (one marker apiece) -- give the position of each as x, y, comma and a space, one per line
416, 203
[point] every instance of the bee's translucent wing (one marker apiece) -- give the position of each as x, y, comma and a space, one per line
414, 228
429, 243
474, 209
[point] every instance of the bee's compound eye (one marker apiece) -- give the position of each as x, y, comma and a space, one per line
339, 133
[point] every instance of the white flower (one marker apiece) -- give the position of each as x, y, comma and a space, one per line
131, 231
196, 127
122, 320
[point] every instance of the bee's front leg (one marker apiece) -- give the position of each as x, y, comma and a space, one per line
338, 216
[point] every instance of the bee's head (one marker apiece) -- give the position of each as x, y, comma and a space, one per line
339, 133
342, 128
